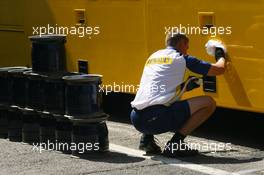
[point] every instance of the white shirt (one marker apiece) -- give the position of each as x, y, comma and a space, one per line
164, 71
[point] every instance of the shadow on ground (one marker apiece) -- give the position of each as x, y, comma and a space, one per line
226, 125
206, 159
111, 157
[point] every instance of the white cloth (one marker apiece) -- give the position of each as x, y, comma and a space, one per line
212, 44
163, 73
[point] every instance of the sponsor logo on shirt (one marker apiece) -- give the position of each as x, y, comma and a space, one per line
159, 60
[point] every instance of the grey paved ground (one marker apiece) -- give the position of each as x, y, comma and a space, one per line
18, 158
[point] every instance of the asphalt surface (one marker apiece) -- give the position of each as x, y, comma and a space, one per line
125, 158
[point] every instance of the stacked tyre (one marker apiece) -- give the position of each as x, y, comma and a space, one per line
45, 104
83, 106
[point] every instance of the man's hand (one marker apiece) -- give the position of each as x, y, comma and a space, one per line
190, 84
217, 49
217, 68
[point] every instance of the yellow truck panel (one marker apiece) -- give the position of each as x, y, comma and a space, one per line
130, 30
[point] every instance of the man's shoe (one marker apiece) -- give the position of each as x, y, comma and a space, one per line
148, 144
179, 149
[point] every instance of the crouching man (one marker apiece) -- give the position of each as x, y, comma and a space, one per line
154, 109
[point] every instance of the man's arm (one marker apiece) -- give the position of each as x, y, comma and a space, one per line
217, 68
197, 66
204, 68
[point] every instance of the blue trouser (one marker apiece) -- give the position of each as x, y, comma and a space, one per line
159, 119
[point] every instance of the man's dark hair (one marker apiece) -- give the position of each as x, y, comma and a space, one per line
172, 39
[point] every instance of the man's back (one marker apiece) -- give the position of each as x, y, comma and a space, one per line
163, 72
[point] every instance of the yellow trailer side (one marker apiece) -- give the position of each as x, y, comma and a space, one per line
130, 30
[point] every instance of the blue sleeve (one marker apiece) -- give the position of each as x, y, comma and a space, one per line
197, 66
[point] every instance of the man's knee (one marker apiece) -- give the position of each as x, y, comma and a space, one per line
201, 102
210, 103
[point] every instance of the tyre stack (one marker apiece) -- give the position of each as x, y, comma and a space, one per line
46, 104
48, 61
3, 103
12, 97
83, 106
33, 108
58, 122
54, 109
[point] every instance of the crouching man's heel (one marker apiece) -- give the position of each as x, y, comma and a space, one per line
148, 144
176, 147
